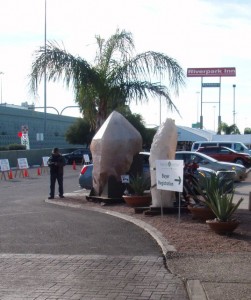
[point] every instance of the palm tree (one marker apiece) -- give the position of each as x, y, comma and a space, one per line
116, 78
229, 129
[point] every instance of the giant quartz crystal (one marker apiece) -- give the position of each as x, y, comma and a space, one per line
113, 148
163, 148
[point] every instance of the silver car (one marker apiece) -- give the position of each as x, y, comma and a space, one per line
227, 176
85, 176
208, 162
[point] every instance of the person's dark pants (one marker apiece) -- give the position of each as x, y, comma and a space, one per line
59, 178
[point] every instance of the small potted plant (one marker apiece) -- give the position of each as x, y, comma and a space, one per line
198, 209
136, 194
222, 205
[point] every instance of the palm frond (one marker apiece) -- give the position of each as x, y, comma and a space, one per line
116, 49
155, 63
59, 64
117, 77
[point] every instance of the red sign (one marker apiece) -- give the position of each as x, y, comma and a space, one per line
19, 134
211, 72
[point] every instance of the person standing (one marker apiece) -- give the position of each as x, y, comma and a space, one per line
56, 163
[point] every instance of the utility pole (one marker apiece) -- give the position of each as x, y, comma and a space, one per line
45, 79
234, 86
1, 73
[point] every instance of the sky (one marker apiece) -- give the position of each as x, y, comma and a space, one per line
196, 33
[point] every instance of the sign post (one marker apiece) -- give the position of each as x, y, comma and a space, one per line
169, 176
24, 137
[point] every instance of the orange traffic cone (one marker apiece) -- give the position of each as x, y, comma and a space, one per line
38, 172
10, 175
26, 173
74, 165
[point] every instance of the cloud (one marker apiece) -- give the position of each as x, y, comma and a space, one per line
197, 33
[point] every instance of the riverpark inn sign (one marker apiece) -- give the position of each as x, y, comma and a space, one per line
211, 72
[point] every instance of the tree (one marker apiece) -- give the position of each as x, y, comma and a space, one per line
79, 133
247, 130
229, 129
117, 77
137, 121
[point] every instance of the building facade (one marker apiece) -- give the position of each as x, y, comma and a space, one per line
12, 119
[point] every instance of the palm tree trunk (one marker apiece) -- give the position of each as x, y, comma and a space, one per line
101, 115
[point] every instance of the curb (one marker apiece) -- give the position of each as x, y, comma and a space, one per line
194, 288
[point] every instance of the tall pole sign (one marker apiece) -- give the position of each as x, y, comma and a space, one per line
211, 72
45, 78
25, 137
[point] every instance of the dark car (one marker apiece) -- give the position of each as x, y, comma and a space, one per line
204, 160
85, 176
77, 156
222, 153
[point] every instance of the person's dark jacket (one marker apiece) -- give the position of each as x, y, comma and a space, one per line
56, 162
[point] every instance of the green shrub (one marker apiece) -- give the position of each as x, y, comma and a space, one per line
4, 148
16, 147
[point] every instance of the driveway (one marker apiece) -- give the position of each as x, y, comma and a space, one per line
29, 225
53, 252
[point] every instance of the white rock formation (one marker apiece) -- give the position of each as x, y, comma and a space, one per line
163, 147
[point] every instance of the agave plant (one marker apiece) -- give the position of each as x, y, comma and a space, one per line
139, 184
220, 202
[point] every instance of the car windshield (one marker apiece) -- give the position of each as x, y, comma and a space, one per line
229, 149
202, 156
240, 147
198, 157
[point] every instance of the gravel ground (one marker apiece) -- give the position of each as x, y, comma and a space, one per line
188, 235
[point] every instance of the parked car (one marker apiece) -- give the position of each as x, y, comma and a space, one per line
227, 176
85, 176
204, 160
77, 155
226, 154
236, 146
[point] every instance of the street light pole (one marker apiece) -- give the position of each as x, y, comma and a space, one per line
1, 73
45, 79
234, 86
198, 104
214, 116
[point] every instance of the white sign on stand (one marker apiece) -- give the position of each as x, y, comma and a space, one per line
22, 163
45, 161
169, 176
86, 158
4, 165
125, 178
